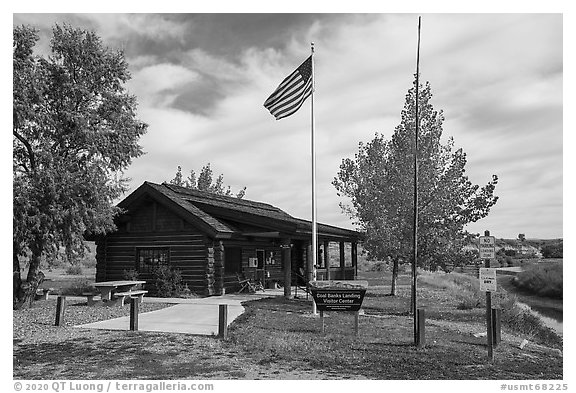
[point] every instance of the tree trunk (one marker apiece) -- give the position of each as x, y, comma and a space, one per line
394, 276
26, 291
16, 276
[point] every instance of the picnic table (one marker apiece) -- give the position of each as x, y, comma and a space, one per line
118, 290
107, 288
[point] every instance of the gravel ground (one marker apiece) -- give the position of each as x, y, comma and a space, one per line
44, 351
36, 324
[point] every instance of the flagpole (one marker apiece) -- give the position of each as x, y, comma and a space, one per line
313, 150
415, 223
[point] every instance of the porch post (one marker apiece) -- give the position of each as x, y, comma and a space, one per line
287, 258
342, 259
327, 259
355, 258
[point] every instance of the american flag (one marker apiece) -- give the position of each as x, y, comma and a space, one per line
292, 92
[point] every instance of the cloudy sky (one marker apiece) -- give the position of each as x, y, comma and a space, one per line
201, 80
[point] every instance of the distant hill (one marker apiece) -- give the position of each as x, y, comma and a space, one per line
527, 246
532, 242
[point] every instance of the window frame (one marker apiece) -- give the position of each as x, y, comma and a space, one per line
143, 267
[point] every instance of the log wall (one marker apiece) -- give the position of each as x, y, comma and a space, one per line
190, 251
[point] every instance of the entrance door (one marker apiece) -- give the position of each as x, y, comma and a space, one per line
261, 267
298, 266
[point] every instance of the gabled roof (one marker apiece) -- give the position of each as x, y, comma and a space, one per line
233, 204
222, 216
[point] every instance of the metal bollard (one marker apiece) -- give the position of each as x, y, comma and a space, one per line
60, 308
421, 318
223, 321
134, 309
496, 330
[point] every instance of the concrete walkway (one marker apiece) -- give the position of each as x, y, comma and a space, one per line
191, 316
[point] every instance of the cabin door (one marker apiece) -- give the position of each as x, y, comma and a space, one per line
298, 265
261, 267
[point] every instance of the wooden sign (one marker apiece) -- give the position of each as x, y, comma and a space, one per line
342, 295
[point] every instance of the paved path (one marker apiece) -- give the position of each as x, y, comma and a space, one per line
191, 316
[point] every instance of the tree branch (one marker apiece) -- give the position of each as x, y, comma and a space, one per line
28, 147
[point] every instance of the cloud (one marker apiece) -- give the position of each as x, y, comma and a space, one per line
201, 81
159, 85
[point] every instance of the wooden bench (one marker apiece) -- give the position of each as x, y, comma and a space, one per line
90, 297
122, 296
42, 293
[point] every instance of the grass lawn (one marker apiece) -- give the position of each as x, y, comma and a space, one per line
280, 339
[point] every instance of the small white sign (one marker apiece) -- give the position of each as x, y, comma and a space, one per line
487, 247
488, 279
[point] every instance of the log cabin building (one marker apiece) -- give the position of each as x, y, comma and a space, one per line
214, 239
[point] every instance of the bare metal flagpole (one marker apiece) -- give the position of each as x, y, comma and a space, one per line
313, 148
415, 223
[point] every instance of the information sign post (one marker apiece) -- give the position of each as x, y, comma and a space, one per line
487, 276
342, 295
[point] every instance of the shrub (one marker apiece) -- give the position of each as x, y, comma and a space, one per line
76, 288
544, 279
510, 253
89, 263
74, 270
167, 282
468, 301
131, 275
553, 250
379, 266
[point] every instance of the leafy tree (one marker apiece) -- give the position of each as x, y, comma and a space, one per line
74, 132
204, 182
379, 181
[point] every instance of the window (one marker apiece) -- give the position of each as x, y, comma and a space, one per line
149, 258
232, 260
348, 255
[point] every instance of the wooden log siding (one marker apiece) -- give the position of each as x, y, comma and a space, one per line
152, 217
275, 270
101, 260
187, 253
